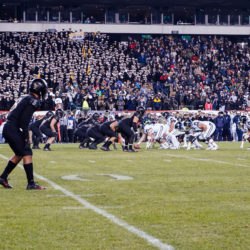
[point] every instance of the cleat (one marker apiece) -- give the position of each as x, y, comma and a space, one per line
35, 186
47, 149
104, 148
92, 147
132, 151
5, 183
137, 146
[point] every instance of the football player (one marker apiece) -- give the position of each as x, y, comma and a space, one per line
16, 133
203, 130
94, 132
48, 127
125, 129
34, 128
108, 129
244, 125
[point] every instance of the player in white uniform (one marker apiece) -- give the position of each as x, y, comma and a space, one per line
202, 130
172, 133
155, 132
244, 125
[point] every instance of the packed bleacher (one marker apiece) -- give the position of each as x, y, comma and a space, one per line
99, 73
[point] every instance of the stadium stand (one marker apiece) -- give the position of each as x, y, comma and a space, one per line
158, 73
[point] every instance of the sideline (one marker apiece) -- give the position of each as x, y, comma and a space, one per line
150, 239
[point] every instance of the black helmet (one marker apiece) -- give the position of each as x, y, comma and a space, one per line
49, 113
141, 110
96, 116
243, 119
166, 114
59, 113
39, 87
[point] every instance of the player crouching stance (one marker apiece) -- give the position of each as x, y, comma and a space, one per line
124, 129
202, 131
16, 133
48, 128
108, 129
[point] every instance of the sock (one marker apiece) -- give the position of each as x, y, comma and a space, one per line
10, 166
47, 145
130, 146
108, 143
126, 147
29, 172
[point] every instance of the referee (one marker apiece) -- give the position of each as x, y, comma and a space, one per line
16, 134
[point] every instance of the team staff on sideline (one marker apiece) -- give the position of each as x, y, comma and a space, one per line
16, 132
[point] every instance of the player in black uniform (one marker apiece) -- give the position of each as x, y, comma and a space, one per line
108, 129
94, 132
36, 134
124, 128
49, 128
16, 133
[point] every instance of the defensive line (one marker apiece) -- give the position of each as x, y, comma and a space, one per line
150, 239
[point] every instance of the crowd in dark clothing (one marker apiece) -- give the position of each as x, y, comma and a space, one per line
158, 73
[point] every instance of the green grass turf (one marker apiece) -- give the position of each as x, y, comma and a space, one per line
188, 199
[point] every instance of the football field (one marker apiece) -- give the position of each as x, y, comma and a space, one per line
153, 199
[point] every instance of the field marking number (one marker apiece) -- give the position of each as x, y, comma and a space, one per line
75, 177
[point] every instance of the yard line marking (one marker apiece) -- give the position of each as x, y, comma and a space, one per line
91, 161
208, 160
150, 239
79, 208
118, 177
241, 159
73, 208
73, 177
80, 195
52, 162
129, 161
167, 160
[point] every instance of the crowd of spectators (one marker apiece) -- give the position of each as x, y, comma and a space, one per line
100, 73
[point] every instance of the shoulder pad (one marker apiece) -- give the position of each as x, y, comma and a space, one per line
34, 102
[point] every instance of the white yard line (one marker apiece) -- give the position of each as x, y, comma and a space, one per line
79, 208
150, 239
207, 160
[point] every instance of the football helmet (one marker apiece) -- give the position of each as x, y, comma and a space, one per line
59, 113
39, 87
141, 111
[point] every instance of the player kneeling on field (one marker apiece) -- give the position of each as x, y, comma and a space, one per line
16, 134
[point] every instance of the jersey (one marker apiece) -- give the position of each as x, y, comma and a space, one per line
158, 130
48, 121
208, 132
129, 121
37, 123
21, 113
147, 127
